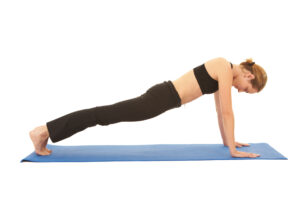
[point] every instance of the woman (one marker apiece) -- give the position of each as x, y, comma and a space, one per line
214, 76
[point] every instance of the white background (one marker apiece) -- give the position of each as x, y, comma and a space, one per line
60, 56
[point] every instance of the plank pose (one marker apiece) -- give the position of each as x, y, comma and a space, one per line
215, 76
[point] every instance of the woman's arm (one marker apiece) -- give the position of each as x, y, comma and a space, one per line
220, 117
228, 126
225, 79
224, 103
220, 122
237, 144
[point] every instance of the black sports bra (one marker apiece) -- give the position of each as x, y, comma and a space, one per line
207, 84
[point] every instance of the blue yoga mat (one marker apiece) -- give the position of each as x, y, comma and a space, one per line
153, 152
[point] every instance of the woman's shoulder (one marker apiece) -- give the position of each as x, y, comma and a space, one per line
216, 66
218, 62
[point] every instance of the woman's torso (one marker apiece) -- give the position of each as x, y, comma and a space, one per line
187, 85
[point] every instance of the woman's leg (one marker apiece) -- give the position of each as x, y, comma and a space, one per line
156, 100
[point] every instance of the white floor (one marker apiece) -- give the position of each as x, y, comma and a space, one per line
153, 180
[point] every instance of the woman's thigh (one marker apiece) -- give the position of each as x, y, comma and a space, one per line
153, 102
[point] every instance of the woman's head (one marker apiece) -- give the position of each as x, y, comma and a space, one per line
252, 78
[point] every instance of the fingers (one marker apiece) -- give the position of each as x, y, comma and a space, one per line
245, 144
256, 155
238, 144
253, 155
245, 154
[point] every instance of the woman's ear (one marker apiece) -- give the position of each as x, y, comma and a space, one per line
249, 75
252, 76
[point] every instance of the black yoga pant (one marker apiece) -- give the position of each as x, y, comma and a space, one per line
156, 100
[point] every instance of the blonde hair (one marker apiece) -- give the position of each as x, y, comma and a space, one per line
260, 79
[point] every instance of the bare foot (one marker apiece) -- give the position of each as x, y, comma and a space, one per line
39, 137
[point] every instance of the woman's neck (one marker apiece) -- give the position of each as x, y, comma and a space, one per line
236, 70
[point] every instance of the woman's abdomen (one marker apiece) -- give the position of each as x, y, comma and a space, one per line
187, 87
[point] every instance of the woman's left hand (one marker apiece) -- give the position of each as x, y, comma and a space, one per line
238, 144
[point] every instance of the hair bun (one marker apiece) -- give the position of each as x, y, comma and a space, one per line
249, 61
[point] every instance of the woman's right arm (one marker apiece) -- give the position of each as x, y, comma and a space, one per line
220, 118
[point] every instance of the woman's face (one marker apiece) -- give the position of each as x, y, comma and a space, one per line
243, 82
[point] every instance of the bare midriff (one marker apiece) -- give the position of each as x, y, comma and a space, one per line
187, 87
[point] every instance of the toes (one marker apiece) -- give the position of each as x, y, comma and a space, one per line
48, 150
44, 152
41, 153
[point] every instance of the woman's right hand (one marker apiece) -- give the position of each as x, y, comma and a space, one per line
241, 154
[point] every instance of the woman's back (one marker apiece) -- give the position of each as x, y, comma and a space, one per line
187, 85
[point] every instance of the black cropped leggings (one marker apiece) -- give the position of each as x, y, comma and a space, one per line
156, 100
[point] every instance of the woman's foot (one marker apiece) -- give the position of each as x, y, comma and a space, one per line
39, 137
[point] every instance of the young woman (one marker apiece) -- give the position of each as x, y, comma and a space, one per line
214, 76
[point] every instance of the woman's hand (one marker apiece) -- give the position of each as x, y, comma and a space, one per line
243, 154
238, 144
